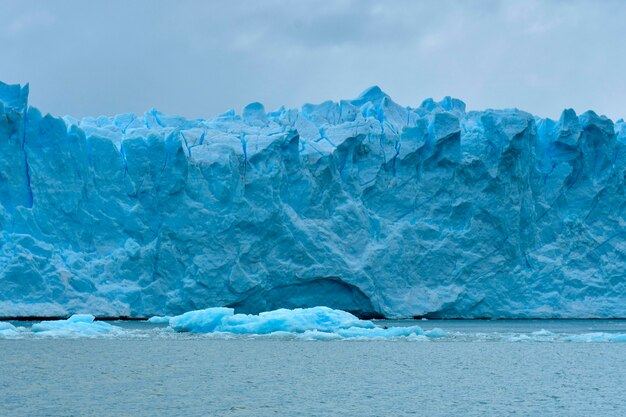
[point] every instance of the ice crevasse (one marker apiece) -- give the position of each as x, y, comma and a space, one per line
361, 205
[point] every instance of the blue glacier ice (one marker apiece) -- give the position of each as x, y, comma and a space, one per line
76, 325
362, 205
7, 330
296, 321
159, 319
315, 323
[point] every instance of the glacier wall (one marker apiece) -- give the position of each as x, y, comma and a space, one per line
362, 205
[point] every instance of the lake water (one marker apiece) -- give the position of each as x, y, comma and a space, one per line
482, 368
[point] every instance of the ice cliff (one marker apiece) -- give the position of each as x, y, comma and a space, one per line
362, 205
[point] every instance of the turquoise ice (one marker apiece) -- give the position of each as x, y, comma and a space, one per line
315, 323
75, 326
362, 205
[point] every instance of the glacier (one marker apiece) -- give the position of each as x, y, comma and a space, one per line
362, 205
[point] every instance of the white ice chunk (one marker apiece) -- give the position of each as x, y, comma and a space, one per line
77, 325
7, 330
159, 319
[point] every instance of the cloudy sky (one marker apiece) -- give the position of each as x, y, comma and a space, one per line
200, 58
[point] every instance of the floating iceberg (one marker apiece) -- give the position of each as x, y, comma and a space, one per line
362, 205
299, 320
8, 330
159, 319
319, 323
77, 325
6, 326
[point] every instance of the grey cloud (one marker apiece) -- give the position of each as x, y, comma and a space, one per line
200, 58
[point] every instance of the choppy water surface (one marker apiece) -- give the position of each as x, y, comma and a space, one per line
537, 368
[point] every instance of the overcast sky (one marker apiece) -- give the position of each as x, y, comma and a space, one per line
200, 58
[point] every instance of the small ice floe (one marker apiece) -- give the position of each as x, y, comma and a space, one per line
542, 335
542, 332
8, 330
548, 336
597, 337
316, 323
76, 326
436, 333
159, 320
